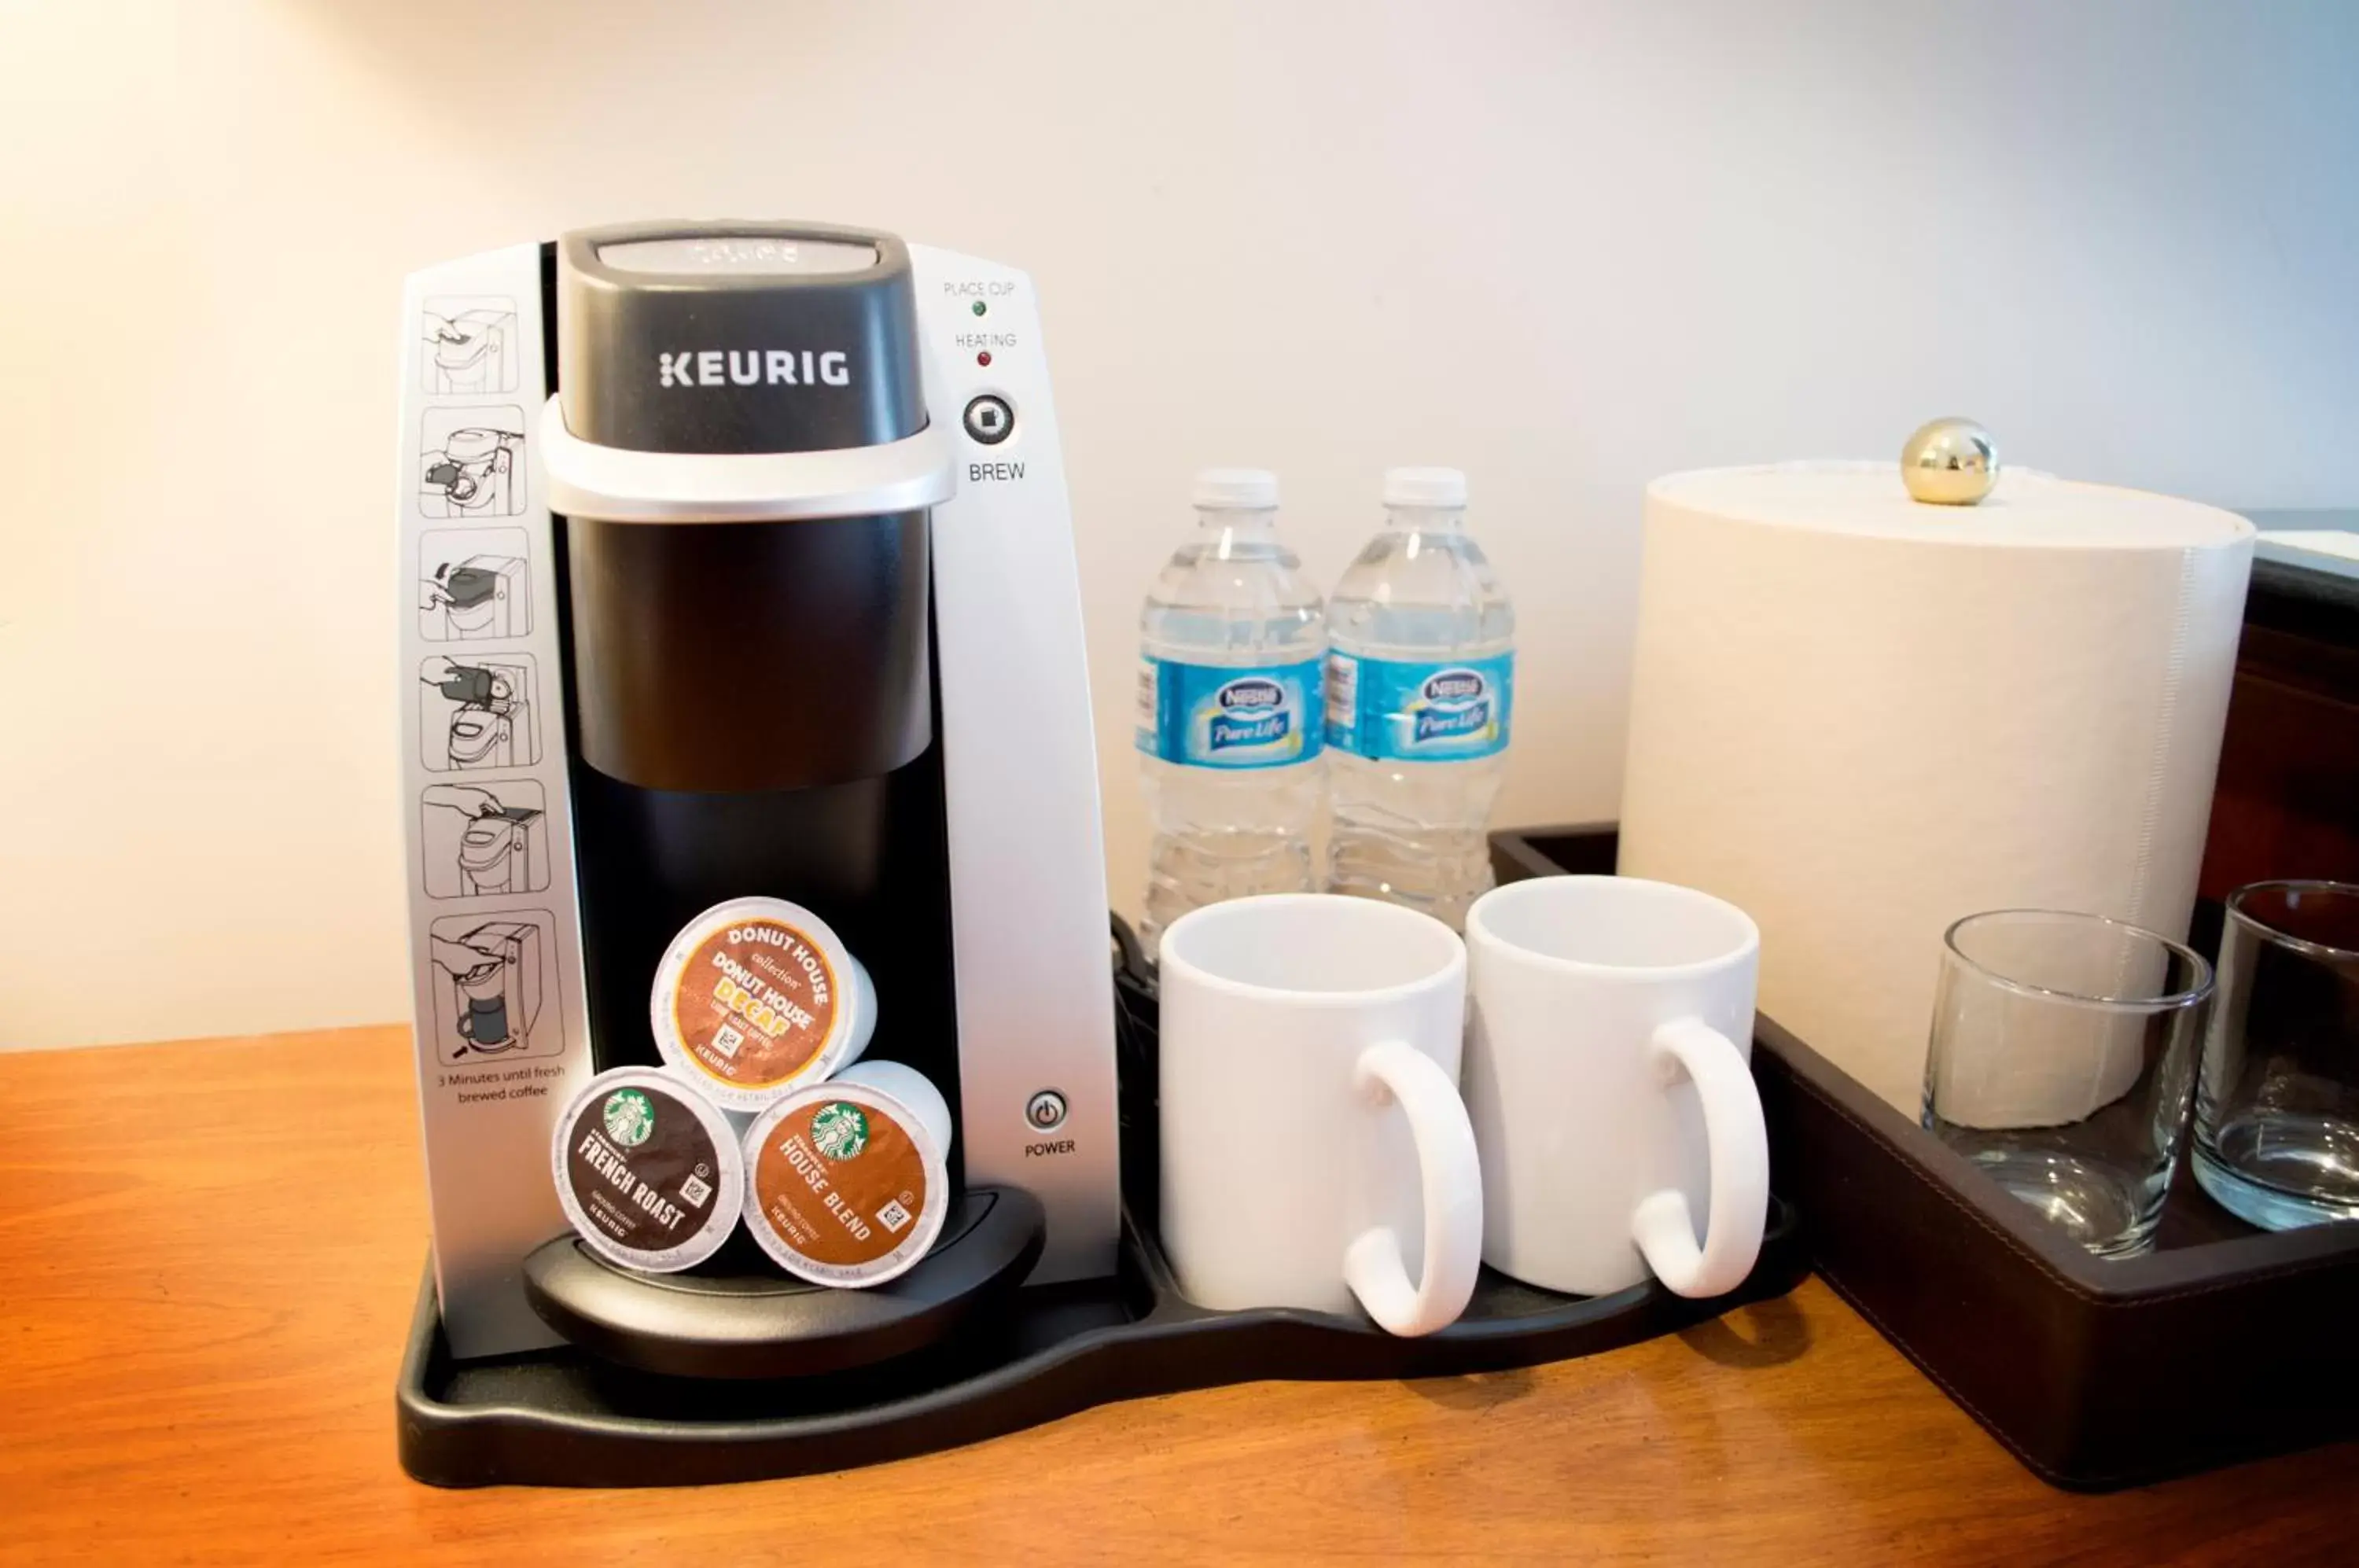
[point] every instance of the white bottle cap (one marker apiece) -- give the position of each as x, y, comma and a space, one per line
1425, 487
650, 1172
847, 1182
758, 996
1236, 489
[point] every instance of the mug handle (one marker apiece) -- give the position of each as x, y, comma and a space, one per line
1737, 1150
1450, 1178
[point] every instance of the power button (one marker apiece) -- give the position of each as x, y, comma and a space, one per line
1045, 1110
989, 420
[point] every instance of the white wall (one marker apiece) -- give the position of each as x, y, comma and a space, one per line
1564, 247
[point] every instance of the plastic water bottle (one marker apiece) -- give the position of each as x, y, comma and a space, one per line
1420, 695
1230, 721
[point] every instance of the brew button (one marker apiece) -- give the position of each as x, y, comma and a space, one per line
1045, 1110
989, 420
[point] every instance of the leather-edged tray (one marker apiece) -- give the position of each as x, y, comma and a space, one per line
2224, 1343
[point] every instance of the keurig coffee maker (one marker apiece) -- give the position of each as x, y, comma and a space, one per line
792, 500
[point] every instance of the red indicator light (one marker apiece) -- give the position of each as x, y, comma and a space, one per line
984, 358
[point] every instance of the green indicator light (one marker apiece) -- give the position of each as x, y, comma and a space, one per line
979, 307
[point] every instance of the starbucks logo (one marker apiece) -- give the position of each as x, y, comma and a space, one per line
630, 1117
839, 1131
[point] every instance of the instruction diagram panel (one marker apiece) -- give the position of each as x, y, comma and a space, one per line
474, 584
471, 463
476, 839
471, 343
479, 712
502, 1026
491, 985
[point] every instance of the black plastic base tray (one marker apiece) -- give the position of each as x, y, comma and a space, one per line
732, 1372
737, 1316
564, 1418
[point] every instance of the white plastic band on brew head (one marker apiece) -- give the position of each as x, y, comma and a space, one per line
616, 486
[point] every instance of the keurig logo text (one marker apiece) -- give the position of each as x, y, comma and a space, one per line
752, 367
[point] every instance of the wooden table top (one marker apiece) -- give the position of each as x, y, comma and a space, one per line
213, 1249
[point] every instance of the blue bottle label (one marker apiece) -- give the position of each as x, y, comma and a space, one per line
1399, 711
1221, 715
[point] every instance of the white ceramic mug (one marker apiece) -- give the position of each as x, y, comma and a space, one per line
1608, 1079
1315, 1150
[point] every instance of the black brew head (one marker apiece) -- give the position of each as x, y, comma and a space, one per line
750, 655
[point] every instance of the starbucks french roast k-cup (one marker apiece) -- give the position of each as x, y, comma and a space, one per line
648, 1169
756, 997
847, 1182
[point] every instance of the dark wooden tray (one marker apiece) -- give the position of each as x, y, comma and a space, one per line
2224, 1343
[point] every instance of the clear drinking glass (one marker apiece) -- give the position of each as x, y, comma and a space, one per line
2062, 1058
2277, 1113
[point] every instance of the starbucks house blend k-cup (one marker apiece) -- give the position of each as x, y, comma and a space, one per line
758, 996
649, 1171
847, 1182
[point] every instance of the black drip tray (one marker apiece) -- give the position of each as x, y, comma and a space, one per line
737, 1316
1020, 1357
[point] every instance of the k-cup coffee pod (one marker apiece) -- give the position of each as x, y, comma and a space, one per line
758, 996
647, 1171
847, 1181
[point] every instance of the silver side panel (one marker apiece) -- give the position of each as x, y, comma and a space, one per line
1027, 856
495, 946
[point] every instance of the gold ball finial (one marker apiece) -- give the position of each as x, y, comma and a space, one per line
1949, 463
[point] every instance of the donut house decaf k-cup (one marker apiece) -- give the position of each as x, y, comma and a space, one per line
758, 996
